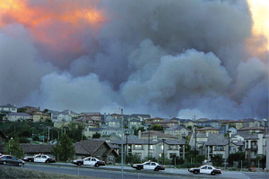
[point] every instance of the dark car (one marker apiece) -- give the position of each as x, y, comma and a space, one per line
205, 169
10, 160
148, 166
91, 161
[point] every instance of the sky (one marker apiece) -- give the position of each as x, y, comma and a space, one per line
188, 58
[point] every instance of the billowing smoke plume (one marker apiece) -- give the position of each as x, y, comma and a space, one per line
169, 58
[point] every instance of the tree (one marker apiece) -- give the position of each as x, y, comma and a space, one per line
133, 158
75, 131
156, 127
13, 147
96, 135
236, 157
136, 130
217, 160
64, 149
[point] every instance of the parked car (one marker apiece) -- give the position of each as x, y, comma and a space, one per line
92, 161
28, 159
148, 166
205, 169
41, 158
10, 160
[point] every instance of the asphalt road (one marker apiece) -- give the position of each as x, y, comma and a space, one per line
112, 174
257, 175
100, 173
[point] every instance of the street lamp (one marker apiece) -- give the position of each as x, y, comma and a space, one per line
163, 140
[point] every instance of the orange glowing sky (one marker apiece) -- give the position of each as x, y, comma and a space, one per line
258, 44
70, 20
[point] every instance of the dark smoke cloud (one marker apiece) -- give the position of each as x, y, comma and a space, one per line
20, 68
168, 58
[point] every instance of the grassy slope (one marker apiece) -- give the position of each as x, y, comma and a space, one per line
8, 172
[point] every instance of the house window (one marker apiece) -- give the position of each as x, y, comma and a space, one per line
219, 148
173, 147
138, 147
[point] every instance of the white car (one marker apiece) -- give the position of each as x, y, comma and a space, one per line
205, 169
148, 166
91, 161
41, 158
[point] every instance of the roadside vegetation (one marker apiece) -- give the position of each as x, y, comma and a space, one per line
15, 172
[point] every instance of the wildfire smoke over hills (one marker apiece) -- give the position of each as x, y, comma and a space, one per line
169, 58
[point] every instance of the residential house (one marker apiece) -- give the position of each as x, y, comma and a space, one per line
97, 148
108, 131
165, 123
254, 146
144, 148
197, 142
153, 120
41, 117
90, 131
251, 130
178, 131
207, 130
90, 121
32, 149
155, 135
93, 116
232, 123
140, 117
18, 116
209, 123
117, 116
135, 123
187, 123
29, 109
8, 108
114, 123
217, 144
61, 119
252, 123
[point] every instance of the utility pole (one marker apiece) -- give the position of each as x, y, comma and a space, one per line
122, 139
126, 147
163, 150
148, 141
229, 141
48, 135
267, 144
195, 138
195, 141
